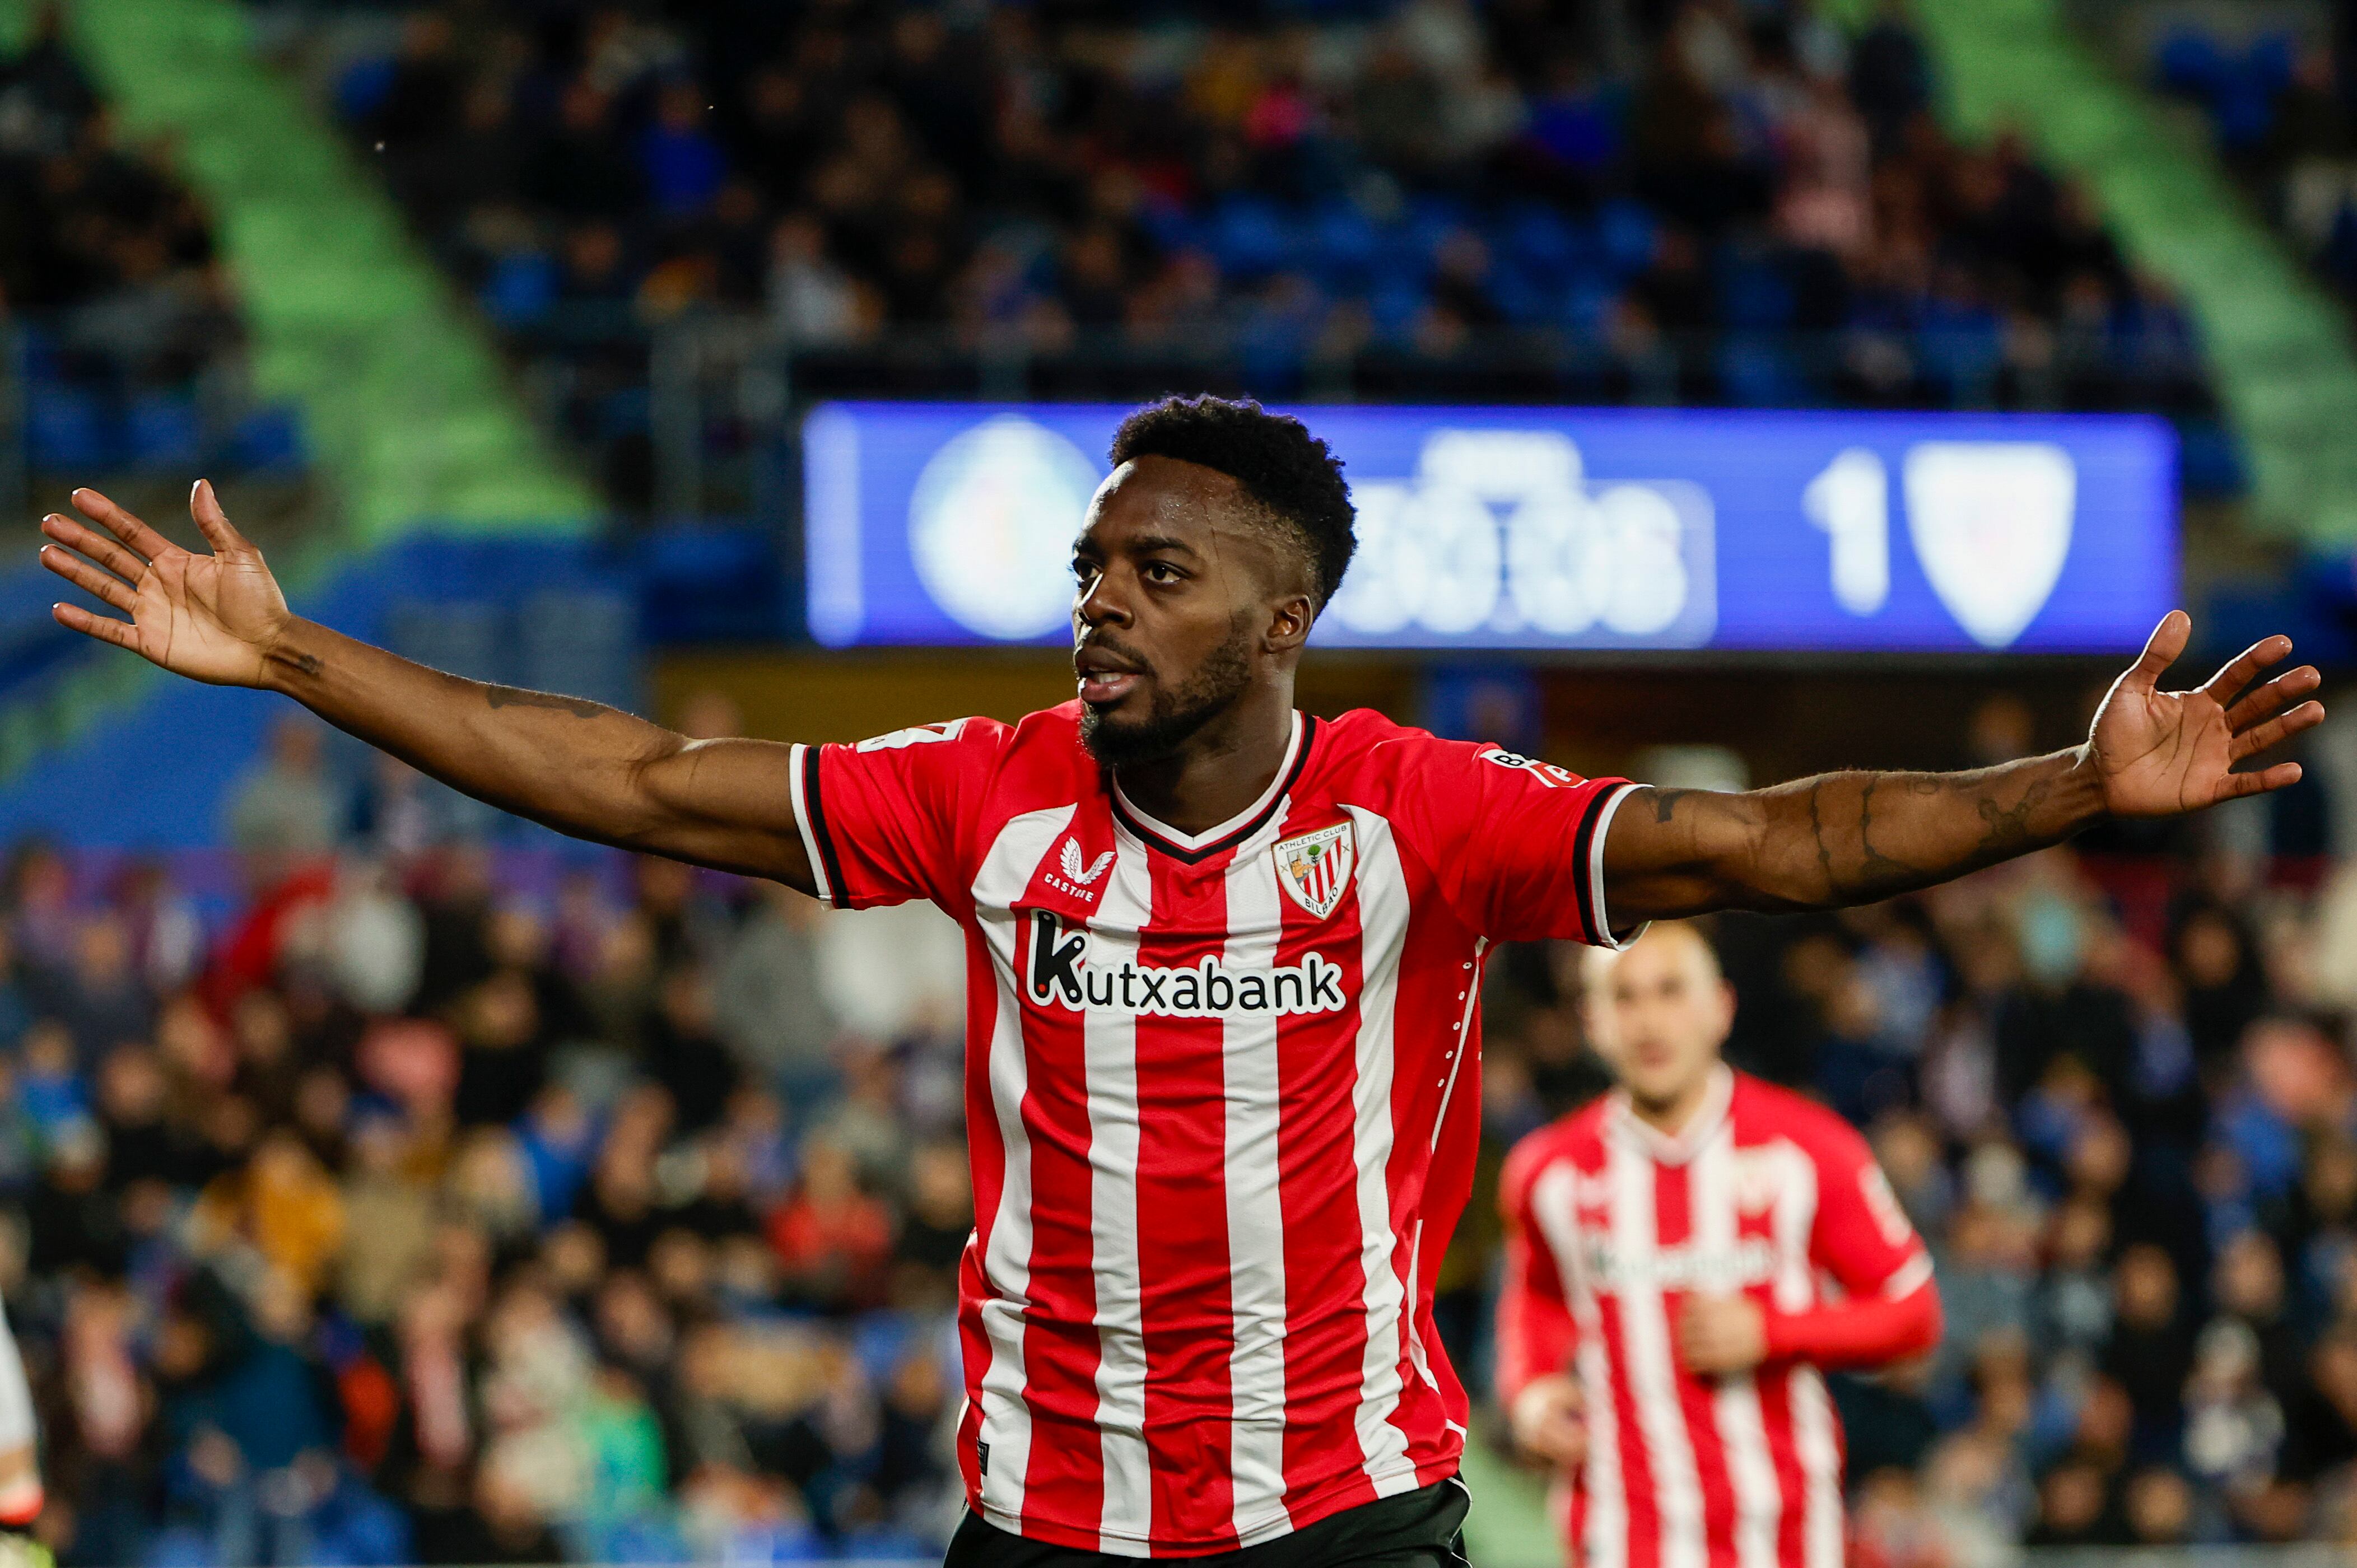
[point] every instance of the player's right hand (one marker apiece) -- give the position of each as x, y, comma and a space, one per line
210, 618
1547, 1423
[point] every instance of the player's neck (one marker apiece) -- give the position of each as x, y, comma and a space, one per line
1223, 767
1672, 1117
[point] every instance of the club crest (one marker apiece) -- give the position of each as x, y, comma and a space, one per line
1316, 867
1991, 523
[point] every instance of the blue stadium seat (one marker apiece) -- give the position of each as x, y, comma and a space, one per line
709, 584
268, 440
1169, 225
179, 1546
645, 1540
66, 429
879, 1342
2271, 59
885, 1544
363, 87
1627, 230
1400, 256
1525, 297
1247, 236
521, 288
1343, 241
1581, 132
1754, 370
1753, 292
1539, 239
1586, 299
2209, 459
1394, 304
1431, 219
2243, 114
1960, 349
167, 432
2189, 61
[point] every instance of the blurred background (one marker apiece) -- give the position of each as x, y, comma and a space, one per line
1731, 389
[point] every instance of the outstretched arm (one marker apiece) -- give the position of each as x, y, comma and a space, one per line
1855, 838
577, 766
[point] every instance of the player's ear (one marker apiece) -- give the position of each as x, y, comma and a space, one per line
1289, 620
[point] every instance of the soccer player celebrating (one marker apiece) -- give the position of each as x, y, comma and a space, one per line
1224, 962
1663, 1322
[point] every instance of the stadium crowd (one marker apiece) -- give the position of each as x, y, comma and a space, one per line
1731, 203
2278, 102
410, 1211
122, 322
394, 1197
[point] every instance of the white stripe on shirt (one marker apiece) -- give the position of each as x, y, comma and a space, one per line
1651, 1369
1110, 1055
1383, 931
1250, 1087
1812, 1418
1735, 1401
1554, 1203
1006, 1260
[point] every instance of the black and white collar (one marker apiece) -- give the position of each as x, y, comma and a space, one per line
1193, 847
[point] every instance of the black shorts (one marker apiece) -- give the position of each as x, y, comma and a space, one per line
1423, 1528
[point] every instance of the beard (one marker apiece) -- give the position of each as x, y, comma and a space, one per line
1176, 713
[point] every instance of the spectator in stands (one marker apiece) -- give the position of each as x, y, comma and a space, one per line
1443, 185
286, 808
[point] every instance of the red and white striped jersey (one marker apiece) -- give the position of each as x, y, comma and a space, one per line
1222, 1097
1612, 1225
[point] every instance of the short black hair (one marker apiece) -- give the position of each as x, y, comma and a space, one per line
1290, 473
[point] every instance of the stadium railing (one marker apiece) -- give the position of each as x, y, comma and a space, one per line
687, 417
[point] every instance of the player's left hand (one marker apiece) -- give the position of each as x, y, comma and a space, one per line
1721, 1334
2159, 753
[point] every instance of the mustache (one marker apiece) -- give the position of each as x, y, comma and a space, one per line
1136, 663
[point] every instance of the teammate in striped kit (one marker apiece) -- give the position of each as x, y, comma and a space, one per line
1666, 1309
21, 1497
1224, 963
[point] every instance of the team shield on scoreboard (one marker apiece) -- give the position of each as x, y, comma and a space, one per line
1316, 867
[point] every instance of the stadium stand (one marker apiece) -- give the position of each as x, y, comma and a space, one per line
391, 1185
2281, 352
2277, 107
1757, 209
377, 1199
128, 353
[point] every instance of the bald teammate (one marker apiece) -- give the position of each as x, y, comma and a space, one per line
1666, 1311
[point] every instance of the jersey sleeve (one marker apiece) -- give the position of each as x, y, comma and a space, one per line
883, 820
1536, 1331
1889, 1308
1862, 1238
1517, 843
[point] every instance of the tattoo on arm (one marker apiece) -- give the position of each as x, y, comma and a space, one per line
1853, 837
1877, 869
2010, 832
516, 697
309, 663
1817, 832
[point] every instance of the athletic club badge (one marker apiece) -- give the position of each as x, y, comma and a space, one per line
1316, 867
